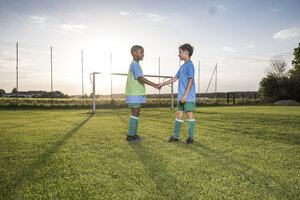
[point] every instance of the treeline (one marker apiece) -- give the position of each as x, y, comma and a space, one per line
34, 94
281, 83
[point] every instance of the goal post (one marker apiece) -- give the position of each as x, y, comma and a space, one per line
121, 74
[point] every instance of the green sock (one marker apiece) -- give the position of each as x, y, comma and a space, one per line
177, 127
136, 126
191, 127
132, 125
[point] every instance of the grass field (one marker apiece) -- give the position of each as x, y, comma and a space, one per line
241, 152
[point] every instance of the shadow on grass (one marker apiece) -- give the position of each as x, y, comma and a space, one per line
156, 170
124, 121
38, 163
250, 174
24, 124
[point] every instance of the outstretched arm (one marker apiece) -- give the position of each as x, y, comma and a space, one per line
146, 81
172, 80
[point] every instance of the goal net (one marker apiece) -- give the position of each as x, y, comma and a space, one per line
122, 81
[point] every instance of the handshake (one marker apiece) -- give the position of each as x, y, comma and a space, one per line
158, 86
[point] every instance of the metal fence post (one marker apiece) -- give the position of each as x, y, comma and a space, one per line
233, 98
94, 96
227, 97
172, 96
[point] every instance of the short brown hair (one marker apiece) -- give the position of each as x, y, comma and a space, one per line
135, 48
188, 48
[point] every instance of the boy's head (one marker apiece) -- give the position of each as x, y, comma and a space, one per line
185, 50
137, 52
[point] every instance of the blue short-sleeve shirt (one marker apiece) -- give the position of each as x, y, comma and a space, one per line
137, 72
186, 72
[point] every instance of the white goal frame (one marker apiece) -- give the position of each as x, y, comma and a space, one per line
121, 74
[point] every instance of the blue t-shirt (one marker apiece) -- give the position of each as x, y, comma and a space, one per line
186, 72
137, 72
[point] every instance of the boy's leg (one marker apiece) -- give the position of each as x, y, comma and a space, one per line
133, 121
191, 124
178, 123
136, 112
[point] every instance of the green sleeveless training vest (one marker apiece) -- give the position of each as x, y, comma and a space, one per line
133, 86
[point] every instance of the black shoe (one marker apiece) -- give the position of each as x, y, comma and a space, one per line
131, 139
137, 137
172, 139
189, 140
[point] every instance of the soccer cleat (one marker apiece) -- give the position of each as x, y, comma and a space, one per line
189, 140
131, 139
172, 139
137, 137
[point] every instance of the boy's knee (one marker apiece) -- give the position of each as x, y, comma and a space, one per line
179, 115
189, 115
136, 112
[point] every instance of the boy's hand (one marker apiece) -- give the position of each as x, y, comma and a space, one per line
157, 86
183, 99
160, 85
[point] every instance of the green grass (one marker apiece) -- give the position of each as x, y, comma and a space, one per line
241, 152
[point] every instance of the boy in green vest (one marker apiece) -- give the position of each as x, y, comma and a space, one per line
135, 91
186, 93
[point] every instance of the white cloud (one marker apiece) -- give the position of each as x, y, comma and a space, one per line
124, 13
79, 28
157, 18
251, 46
287, 33
229, 49
150, 16
39, 19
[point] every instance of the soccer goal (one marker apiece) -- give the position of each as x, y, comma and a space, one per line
121, 74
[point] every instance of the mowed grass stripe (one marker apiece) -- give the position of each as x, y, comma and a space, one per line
244, 152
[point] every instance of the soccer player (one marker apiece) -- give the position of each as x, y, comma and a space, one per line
135, 91
186, 93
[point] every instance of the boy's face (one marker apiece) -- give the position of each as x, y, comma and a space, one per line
183, 54
139, 54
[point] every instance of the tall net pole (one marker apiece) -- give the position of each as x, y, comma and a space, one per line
51, 70
17, 71
82, 77
111, 96
159, 78
199, 78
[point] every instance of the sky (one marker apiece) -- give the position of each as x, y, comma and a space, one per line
239, 36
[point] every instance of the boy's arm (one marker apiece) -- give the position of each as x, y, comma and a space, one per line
188, 88
172, 80
146, 81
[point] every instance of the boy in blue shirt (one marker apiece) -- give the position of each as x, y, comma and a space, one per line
135, 91
186, 93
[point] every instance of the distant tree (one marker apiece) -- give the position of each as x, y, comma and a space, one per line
2, 92
276, 86
54, 94
281, 83
269, 88
14, 90
295, 72
278, 68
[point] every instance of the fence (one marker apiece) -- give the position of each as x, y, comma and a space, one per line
33, 68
